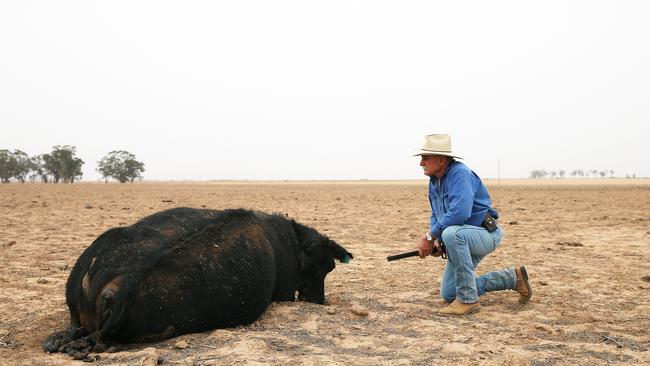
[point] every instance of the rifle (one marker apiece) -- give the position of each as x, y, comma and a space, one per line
414, 253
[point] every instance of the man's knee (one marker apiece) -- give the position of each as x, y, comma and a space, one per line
449, 236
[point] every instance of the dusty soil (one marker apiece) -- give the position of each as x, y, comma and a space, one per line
586, 246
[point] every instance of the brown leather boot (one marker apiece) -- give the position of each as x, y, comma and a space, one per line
523, 286
459, 308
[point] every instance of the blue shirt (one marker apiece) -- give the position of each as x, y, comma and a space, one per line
458, 198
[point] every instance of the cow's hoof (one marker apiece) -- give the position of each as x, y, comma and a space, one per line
54, 342
52, 345
78, 355
99, 348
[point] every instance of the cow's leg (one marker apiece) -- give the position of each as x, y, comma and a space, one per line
57, 340
74, 341
81, 347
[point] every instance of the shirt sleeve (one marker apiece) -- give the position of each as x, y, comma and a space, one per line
432, 219
460, 197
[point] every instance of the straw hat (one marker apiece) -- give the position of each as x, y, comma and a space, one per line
438, 144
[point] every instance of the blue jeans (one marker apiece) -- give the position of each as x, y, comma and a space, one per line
466, 246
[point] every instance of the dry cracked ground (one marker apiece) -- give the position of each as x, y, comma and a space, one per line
586, 245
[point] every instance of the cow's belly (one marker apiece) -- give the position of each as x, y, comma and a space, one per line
198, 296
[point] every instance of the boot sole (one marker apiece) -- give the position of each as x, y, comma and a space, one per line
524, 299
473, 311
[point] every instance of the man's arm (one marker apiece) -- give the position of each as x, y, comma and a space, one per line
460, 197
432, 219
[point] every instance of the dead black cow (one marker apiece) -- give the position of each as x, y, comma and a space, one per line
188, 270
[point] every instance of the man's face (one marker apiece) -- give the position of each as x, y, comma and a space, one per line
432, 164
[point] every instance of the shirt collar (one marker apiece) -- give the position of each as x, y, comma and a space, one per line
453, 162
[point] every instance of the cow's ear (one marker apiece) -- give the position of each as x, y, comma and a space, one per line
303, 233
339, 252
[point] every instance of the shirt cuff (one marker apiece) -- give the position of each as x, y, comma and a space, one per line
436, 231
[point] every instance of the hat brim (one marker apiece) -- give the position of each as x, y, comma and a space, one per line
429, 152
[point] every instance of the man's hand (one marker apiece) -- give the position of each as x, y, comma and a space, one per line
426, 246
438, 245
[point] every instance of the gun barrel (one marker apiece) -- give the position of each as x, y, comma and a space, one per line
414, 253
402, 255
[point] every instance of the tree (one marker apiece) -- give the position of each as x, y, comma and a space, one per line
577, 173
120, 165
107, 166
62, 164
22, 165
536, 174
134, 169
38, 169
7, 165
561, 173
51, 167
14, 165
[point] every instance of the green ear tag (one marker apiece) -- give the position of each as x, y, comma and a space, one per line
345, 259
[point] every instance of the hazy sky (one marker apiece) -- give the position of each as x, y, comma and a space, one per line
329, 89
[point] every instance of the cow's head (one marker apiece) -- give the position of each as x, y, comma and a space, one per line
316, 253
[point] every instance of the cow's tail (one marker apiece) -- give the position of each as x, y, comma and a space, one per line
111, 314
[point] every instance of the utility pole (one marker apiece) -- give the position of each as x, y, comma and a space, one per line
499, 171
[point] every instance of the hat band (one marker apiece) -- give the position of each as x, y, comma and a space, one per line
445, 151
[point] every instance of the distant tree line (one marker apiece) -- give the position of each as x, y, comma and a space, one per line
576, 173
62, 165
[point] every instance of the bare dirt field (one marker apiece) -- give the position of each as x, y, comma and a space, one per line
586, 245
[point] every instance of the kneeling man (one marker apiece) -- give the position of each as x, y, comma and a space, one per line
464, 225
